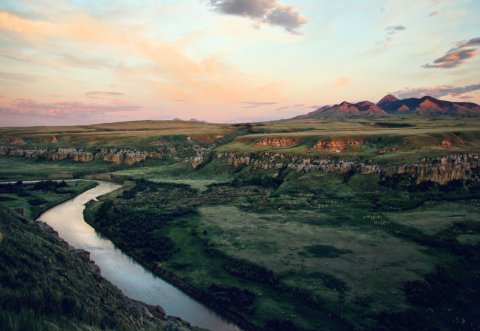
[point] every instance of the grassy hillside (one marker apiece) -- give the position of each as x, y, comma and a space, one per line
46, 285
383, 140
379, 140
140, 134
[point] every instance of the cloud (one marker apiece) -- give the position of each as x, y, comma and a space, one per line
475, 42
262, 11
18, 77
27, 106
438, 91
254, 104
456, 56
342, 81
164, 67
100, 94
391, 30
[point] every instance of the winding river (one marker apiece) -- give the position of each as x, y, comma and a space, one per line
135, 281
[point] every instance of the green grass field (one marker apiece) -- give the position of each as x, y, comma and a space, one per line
33, 201
383, 140
319, 251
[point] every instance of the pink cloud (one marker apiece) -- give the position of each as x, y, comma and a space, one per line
342, 81
461, 92
103, 94
463, 51
27, 106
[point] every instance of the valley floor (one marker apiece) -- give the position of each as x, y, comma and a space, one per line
315, 251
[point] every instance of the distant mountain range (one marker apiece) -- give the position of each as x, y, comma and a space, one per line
390, 105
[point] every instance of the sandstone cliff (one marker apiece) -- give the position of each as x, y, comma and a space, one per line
278, 142
116, 156
438, 169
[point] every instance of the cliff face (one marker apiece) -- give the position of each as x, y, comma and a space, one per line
439, 169
116, 156
278, 142
337, 145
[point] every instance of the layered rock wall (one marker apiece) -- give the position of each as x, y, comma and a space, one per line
439, 169
116, 156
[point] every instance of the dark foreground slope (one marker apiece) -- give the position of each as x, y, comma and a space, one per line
47, 285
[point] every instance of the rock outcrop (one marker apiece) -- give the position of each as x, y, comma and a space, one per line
12, 140
278, 142
116, 156
438, 169
337, 145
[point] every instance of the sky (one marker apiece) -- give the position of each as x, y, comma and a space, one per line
84, 62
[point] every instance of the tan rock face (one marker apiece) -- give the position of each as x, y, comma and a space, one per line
446, 144
11, 140
438, 169
337, 145
278, 142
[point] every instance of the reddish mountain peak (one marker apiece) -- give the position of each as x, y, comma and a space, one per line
388, 98
428, 103
367, 106
365, 103
390, 105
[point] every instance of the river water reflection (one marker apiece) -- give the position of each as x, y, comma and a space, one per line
135, 281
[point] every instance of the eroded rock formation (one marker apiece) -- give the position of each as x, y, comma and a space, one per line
337, 145
438, 169
278, 142
116, 156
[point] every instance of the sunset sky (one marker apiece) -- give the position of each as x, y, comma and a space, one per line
80, 62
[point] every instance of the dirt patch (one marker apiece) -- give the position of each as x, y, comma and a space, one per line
99, 177
60, 176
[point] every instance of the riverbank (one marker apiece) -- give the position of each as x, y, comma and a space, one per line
45, 283
134, 281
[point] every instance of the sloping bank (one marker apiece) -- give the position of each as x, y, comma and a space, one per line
45, 284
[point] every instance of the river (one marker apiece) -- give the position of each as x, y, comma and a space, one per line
134, 280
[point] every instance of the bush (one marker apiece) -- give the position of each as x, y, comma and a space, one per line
37, 201
232, 298
250, 271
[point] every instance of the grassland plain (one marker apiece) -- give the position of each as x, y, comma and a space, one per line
385, 139
47, 285
314, 252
